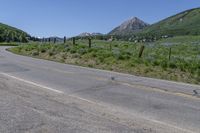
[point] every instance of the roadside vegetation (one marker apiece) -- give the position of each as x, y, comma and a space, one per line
9, 44
183, 64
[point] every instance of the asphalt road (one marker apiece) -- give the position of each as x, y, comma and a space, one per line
43, 96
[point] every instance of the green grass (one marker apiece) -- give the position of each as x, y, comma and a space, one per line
9, 44
122, 56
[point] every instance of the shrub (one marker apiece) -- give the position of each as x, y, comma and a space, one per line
116, 45
94, 54
137, 60
51, 52
42, 50
73, 50
156, 63
76, 55
116, 54
30, 47
172, 65
82, 51
198, 73
90, 65
110, 60
100, 58
62, 60
35, 53
164, 64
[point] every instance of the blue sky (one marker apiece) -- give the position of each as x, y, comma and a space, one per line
70, 17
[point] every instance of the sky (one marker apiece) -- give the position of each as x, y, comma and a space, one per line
44, 18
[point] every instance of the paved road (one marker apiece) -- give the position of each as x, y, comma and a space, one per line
44, 96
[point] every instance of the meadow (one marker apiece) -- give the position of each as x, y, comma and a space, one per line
183, 65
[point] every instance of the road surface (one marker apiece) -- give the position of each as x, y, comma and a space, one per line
43, 96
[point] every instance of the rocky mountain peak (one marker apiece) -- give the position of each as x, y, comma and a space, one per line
132, 25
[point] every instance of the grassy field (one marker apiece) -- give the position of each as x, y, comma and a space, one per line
120, 56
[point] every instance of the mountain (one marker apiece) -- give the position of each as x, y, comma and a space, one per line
85, 34
184, 23
130, 26
96, 34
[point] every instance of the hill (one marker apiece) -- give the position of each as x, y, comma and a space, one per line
184, 23
130, 26
11, 34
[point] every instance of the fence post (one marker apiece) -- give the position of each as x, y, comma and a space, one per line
170, 52
74, 40
64, 39
54, 40
90, 42
141, 51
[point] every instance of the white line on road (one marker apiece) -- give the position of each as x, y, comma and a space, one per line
45, 87
32, 83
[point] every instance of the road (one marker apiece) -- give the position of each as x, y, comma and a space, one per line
43, 96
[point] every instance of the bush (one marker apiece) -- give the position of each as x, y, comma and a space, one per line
156, 63
164, 64
82, 51
101, 59
42, 50
73, 50
94, 54
122, 57
35, 53
116, 54
51, 52
30, 47
76, 55
172, 65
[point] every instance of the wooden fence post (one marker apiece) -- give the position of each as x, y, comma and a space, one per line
90, 42
65, 39
141, 51
74, 40
170, 52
